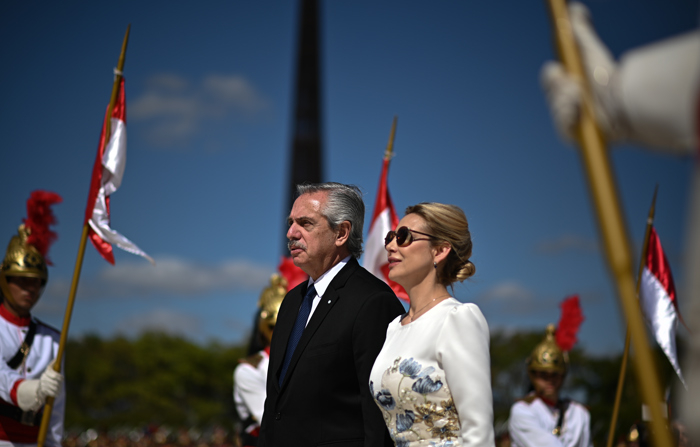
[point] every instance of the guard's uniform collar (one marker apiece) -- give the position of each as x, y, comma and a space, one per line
9, 316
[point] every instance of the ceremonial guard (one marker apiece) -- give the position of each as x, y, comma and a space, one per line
28, 347
543, 418
250, 376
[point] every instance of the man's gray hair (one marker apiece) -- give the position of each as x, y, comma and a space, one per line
344, 203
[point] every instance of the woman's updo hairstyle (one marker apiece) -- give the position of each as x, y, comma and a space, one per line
448, 224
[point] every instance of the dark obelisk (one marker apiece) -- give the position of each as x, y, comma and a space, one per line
306, 162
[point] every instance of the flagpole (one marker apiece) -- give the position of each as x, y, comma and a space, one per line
390, 145
46, 418
623, 366
606, 202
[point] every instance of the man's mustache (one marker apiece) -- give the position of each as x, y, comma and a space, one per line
295, 244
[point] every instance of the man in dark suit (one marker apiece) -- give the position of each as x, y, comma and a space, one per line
329, 330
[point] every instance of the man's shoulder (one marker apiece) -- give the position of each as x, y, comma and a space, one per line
363, 278
252, 360
364, 287
525, 409
526, 400
43, 328
576, 406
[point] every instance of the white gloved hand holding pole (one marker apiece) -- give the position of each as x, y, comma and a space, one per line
650, 97
32, 394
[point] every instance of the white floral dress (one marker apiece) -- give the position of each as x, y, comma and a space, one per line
432, 379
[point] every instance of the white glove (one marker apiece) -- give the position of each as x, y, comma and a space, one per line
564, 93
49, 383
32, 394
650, 97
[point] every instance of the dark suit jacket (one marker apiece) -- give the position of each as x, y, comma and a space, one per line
325, 398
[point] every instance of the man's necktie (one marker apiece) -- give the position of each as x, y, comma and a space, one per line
298, 329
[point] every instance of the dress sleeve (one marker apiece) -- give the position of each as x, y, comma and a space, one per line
463, 353
525, 429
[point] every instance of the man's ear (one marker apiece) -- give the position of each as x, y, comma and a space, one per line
343, 233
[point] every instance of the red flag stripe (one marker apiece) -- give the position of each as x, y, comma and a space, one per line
118, 112
384, 199
658, 265
384, 218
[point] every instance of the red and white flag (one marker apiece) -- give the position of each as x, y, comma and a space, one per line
657, 297
384, 219
107, 175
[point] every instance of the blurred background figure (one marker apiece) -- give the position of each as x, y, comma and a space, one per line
28, 347
543, 418
650, 97
250, 376
680, 434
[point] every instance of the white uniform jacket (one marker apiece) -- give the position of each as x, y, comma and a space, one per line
532, 422
13, 330
249, 382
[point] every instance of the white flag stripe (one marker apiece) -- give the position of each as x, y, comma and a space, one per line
113, 164
114, 158
112, 237
661, 316
375, 254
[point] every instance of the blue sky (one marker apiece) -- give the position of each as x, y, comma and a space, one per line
209, 90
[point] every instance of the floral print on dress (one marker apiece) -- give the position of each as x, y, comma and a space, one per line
417, 405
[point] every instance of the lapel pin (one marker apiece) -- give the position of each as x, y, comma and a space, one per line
329, 301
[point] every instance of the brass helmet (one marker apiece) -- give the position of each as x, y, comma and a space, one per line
269, 304
27, 251
548, 356
23, 259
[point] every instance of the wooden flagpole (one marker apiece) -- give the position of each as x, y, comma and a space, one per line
390, 145
606, 202
623, 366
46, 418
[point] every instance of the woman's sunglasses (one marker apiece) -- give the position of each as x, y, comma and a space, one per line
404, 236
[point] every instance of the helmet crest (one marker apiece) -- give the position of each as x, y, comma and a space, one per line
27, 252
551, 355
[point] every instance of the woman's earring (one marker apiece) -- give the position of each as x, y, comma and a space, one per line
435, 265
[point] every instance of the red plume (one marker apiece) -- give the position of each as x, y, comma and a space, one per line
39, 218
571, 319
293, 274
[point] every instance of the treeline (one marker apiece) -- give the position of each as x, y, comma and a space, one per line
158, 379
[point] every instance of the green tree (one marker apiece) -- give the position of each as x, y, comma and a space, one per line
156, 378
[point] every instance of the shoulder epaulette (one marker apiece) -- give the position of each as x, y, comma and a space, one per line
252, 360
48, 326
530, 398
571, 401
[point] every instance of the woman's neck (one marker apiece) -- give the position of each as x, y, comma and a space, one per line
424, 297
422, 293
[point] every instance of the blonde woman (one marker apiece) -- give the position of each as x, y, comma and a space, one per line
432, 379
